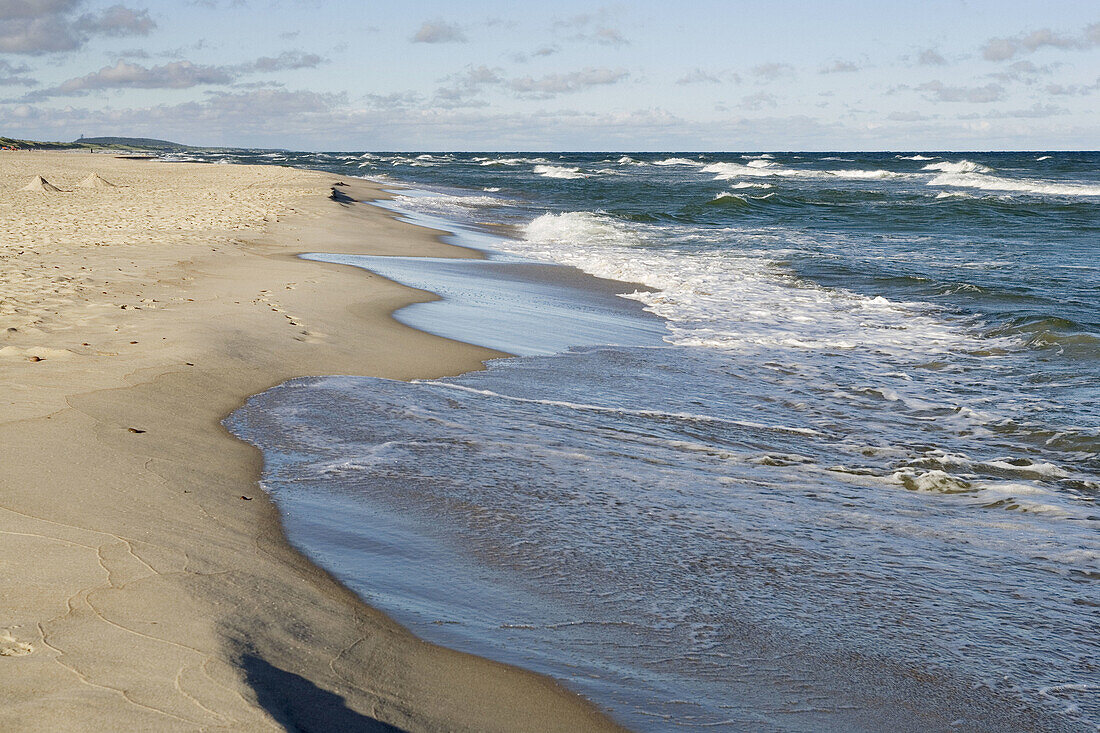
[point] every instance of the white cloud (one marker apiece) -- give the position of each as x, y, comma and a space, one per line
931, 57
702, 76
287, 60
839, 67
575, 81
439, 31
772, 70
1002, 49
758, 101
592, 28
940, 92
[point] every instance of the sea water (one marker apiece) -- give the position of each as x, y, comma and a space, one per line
847, 481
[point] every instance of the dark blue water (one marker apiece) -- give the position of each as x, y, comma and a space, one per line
855, 487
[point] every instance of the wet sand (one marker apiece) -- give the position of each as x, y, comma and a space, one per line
147, 581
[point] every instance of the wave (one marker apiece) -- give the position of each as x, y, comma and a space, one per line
1044, 157
913, 157
447, 203
962, 166
554, 171
760, 168
1017, 185
733, 301
585, 407
747, 184
512, 161
727, 198
862, 174
726, 171
678, 161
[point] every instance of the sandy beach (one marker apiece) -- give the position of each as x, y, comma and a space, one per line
147, 583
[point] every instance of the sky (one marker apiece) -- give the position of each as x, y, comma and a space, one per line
557, 75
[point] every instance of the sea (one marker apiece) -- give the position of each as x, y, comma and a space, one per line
828, 458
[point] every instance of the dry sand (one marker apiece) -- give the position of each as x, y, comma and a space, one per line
146, 582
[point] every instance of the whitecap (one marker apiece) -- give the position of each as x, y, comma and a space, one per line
862, 174
678, 161
555, 171
1018, 185
962, 166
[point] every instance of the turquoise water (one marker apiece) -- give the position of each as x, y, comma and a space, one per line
852, 485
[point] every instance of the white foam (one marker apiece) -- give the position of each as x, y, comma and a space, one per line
747, 184
913, 157
731, 299
760, 163
1017, 185
726, 171
862, 174
555, 171
512, 161
962, 166
678, 161
1044, 157
447, 203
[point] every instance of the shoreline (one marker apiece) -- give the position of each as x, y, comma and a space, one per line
155, 586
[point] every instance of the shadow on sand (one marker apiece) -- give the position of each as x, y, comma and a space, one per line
302, 706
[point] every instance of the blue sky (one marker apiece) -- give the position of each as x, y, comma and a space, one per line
556, 75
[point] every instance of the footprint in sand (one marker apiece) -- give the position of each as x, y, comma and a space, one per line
9, 647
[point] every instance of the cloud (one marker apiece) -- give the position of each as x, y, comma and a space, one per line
700, 76
1024, 71
760, 100
1036, 111
839, 67
540, 52
771, 71
939, 92
1002, 49
591, 28
48, 26
463, 89
117, 20
1064, 90
439, 31
931, 57
552, 84
12, 75
287, 60
908, 117
176, 75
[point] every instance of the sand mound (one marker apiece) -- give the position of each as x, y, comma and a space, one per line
95, 181
38, 183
